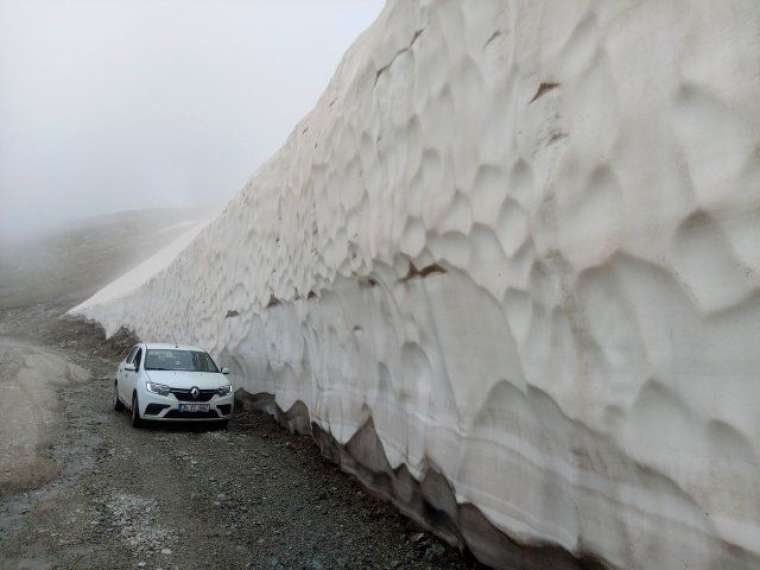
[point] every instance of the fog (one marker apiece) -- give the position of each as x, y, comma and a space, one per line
109, 105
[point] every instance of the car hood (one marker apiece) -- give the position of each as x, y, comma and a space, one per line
181, 379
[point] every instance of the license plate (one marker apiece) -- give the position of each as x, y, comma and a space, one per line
193, 407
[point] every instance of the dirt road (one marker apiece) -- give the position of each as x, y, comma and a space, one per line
252, 496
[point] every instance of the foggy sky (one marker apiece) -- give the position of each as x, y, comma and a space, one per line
109, 105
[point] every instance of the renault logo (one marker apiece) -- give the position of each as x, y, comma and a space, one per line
194, 392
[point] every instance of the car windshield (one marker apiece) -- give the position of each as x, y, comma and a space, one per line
176, 359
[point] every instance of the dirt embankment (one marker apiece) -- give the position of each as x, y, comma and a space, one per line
29, 410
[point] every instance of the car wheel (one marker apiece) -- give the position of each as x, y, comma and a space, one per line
136, 420
117, 405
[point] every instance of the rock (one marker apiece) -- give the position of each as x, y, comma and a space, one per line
434, 551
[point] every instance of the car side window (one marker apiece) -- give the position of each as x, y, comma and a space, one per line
131, 355
138, 357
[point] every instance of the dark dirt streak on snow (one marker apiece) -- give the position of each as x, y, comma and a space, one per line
253, 496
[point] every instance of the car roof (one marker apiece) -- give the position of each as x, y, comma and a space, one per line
164, 345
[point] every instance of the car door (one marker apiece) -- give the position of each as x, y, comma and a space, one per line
125, 392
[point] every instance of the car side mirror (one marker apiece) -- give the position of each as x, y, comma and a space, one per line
225, 370
130, 367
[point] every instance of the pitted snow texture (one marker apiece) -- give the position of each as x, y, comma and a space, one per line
523, 237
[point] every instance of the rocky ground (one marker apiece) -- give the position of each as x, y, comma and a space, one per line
251, 496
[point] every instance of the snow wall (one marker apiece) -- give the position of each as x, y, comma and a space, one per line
518, 244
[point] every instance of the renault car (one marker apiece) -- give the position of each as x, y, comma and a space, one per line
163, 382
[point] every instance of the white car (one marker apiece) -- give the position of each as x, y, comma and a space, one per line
166, 382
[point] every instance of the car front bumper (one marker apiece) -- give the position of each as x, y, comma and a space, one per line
155, 407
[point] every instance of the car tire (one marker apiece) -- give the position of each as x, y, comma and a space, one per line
223, 424
137, 421
118, 406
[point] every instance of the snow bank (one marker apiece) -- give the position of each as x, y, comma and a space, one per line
521, 241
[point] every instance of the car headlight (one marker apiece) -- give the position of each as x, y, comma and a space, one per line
224, 390
160, 389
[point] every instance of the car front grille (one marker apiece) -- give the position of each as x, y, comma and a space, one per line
185, 396
175, 414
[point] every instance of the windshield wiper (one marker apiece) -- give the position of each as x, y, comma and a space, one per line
169, 369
